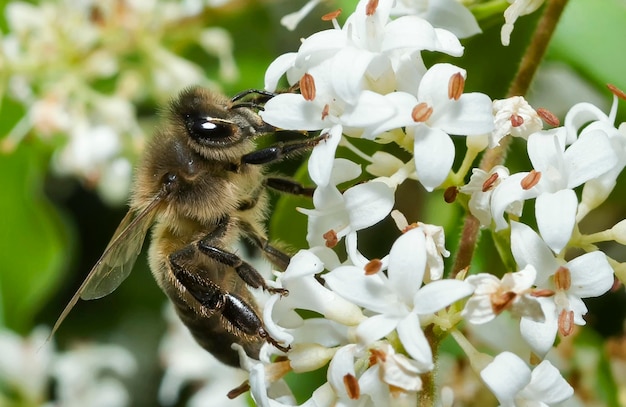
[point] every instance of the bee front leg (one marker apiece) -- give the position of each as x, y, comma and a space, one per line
233, 308
278, 151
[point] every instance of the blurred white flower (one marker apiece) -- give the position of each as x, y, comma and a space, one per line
513, 383
86, 375
185, 362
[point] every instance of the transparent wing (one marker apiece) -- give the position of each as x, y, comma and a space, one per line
118, 258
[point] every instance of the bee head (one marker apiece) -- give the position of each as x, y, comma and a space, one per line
212, 126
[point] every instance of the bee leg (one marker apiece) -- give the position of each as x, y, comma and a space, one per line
233, 308
244, 269
278, 151
276, 256
288, 186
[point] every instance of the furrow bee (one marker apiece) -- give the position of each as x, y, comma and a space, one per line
201, 186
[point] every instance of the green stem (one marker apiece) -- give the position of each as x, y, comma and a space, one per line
495, 156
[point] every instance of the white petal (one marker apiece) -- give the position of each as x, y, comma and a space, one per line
591, 275
589, 157
348, 68
341, 365
407, 264
453, 16
322, 157
541, 335
506, 376
368, 204
374, 328
547, 385
352, 284
415, 33
581, 114
508, 192
432, 169
414, 341
529, 249
434, 85
437, 295
546, 152
371, 109
556, 217
471, 115
277, 69
290, 111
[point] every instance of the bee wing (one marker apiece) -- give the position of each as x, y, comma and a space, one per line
118, 258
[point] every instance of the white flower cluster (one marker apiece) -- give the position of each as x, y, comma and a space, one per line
373, 323
88, 375
75, 67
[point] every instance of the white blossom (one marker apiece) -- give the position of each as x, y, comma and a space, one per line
557, 172
588, 275
514, 384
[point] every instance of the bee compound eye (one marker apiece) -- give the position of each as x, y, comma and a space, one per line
208, 129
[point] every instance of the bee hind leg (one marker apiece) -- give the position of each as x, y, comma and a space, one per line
241, 315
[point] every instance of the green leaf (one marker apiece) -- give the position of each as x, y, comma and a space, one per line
33, 242
590, 37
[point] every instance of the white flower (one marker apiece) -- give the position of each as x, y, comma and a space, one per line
339, 214
598, 189
439, 110
588, 275
556, 172
514, 116
451, 15
25, 364
305, 292
370, 51
481, 187
185, 362
516, 9
397, 300
513, 383
493, 295
435, 244
81, 379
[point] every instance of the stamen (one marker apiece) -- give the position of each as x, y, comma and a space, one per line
325, 111
371, 7
489, 182
516, 120
566, 322
410, 227
376, 355
530, 180
332, 15
544, 292
456, 84
331, 238
373, 267
548, 117
421, 112
501, 301
616, 91
450, 194
562, 279
239, 390
307, 87
352, 386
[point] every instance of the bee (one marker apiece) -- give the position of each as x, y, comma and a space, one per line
201, 186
